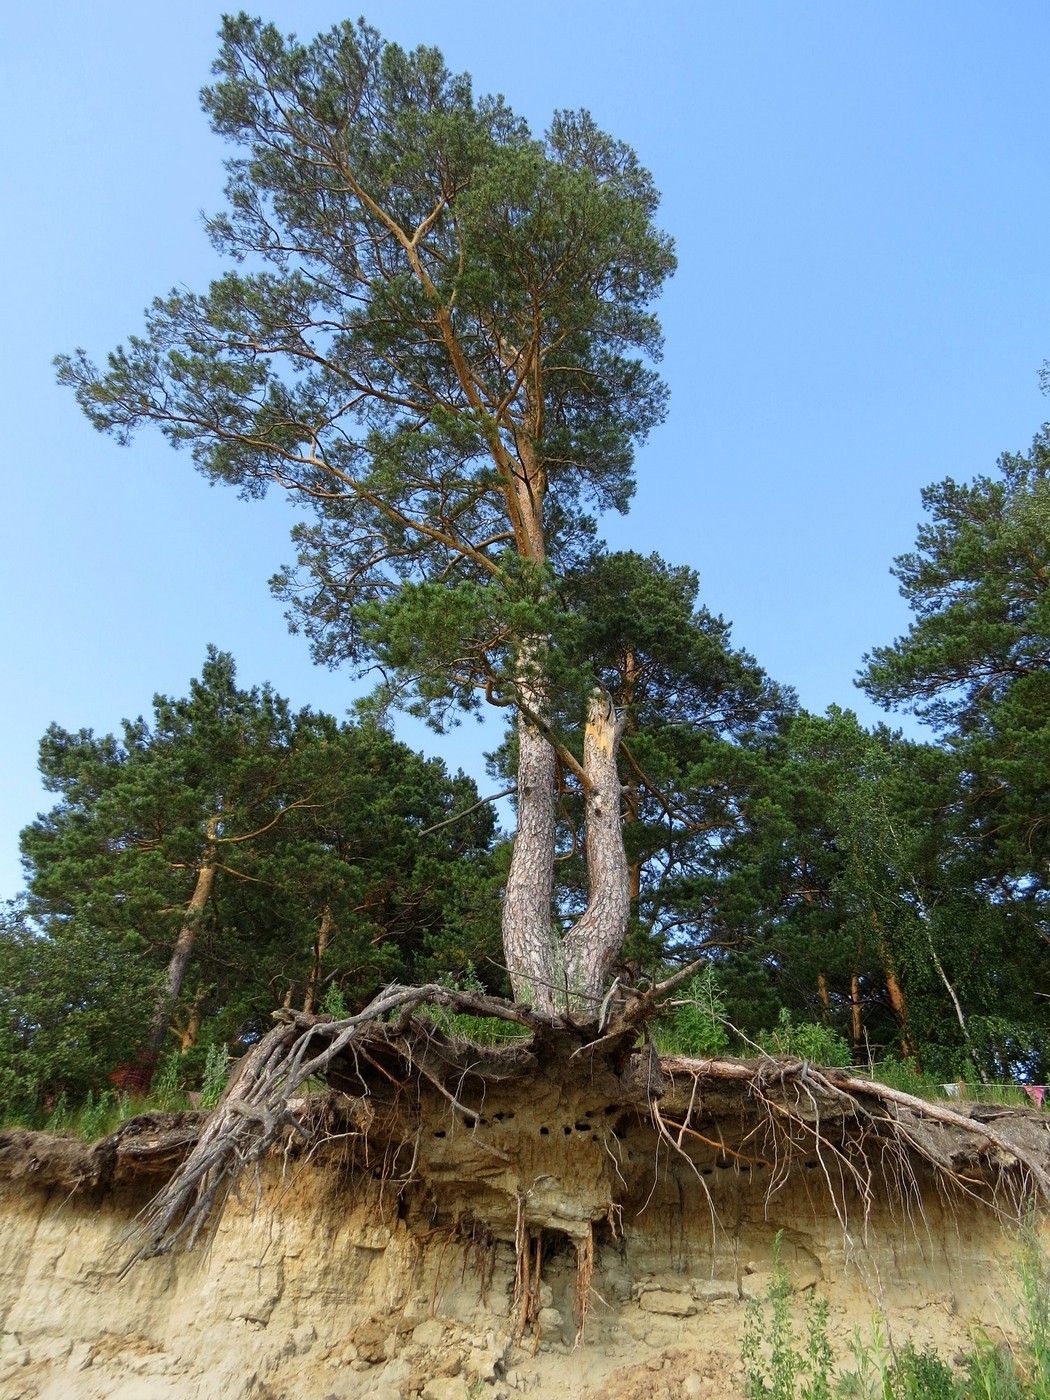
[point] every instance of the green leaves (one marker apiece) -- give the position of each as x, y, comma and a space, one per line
441, 341
976, 662
978, 584
311, 825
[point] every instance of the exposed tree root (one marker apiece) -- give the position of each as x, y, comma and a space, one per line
527, 1139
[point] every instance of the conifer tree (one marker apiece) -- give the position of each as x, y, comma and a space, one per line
438, 338
263, 851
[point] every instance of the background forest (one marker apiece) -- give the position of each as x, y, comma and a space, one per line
850, 892
855, 895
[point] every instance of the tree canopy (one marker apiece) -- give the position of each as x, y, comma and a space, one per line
976, 660
439, 339
238, 856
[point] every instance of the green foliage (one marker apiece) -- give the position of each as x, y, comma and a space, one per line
72, 1007
698, 714
1033, 1360
978, 585
806, 1041
216, 1073
777, 1364
168, 1087
301, 821
98, 1116
698, 1025
922, 1375
334, 1004
973, 663
461, 1025
992, 1374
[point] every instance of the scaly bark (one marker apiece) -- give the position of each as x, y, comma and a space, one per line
313, 982
184, 944
593, 942
528, 936
895, 992
825, 997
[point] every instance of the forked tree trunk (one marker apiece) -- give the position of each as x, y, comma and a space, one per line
591, 945
528, 937
180, 959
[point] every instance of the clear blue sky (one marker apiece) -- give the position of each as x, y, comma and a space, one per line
860, 199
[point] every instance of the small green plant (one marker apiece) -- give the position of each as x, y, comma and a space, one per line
1033, 1272
100, 1116
819, 1358
806, 1041
333, 1003
698, 1025
922, 1375
461, 1025
167, 1083
992, 1373
777, 1365
216, 1073
58, 1119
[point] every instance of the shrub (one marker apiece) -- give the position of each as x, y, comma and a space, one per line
698, 1025
806, 1041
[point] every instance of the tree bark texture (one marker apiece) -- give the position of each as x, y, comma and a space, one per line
528, 936
313, 982
180, 958
895, 992
593, 942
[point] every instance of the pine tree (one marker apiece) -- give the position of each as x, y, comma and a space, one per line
442, 344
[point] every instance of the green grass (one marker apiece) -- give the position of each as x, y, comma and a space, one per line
783, 1363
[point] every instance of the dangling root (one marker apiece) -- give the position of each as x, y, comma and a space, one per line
254, 1110
584, 1270
391, 1058
528, 1262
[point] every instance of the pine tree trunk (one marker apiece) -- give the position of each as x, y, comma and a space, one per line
191, 1030
825, 997
856, 1014
528, 937
592, 944
180, 958
313, 982
895, 992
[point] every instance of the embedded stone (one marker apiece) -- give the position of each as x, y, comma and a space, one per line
663, 1301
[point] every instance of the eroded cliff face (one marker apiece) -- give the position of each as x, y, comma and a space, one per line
348, 1269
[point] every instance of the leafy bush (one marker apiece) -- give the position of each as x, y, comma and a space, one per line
333, 1003
698, 1025
777, 1365
72, 1006
922, 1375
806, 1041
